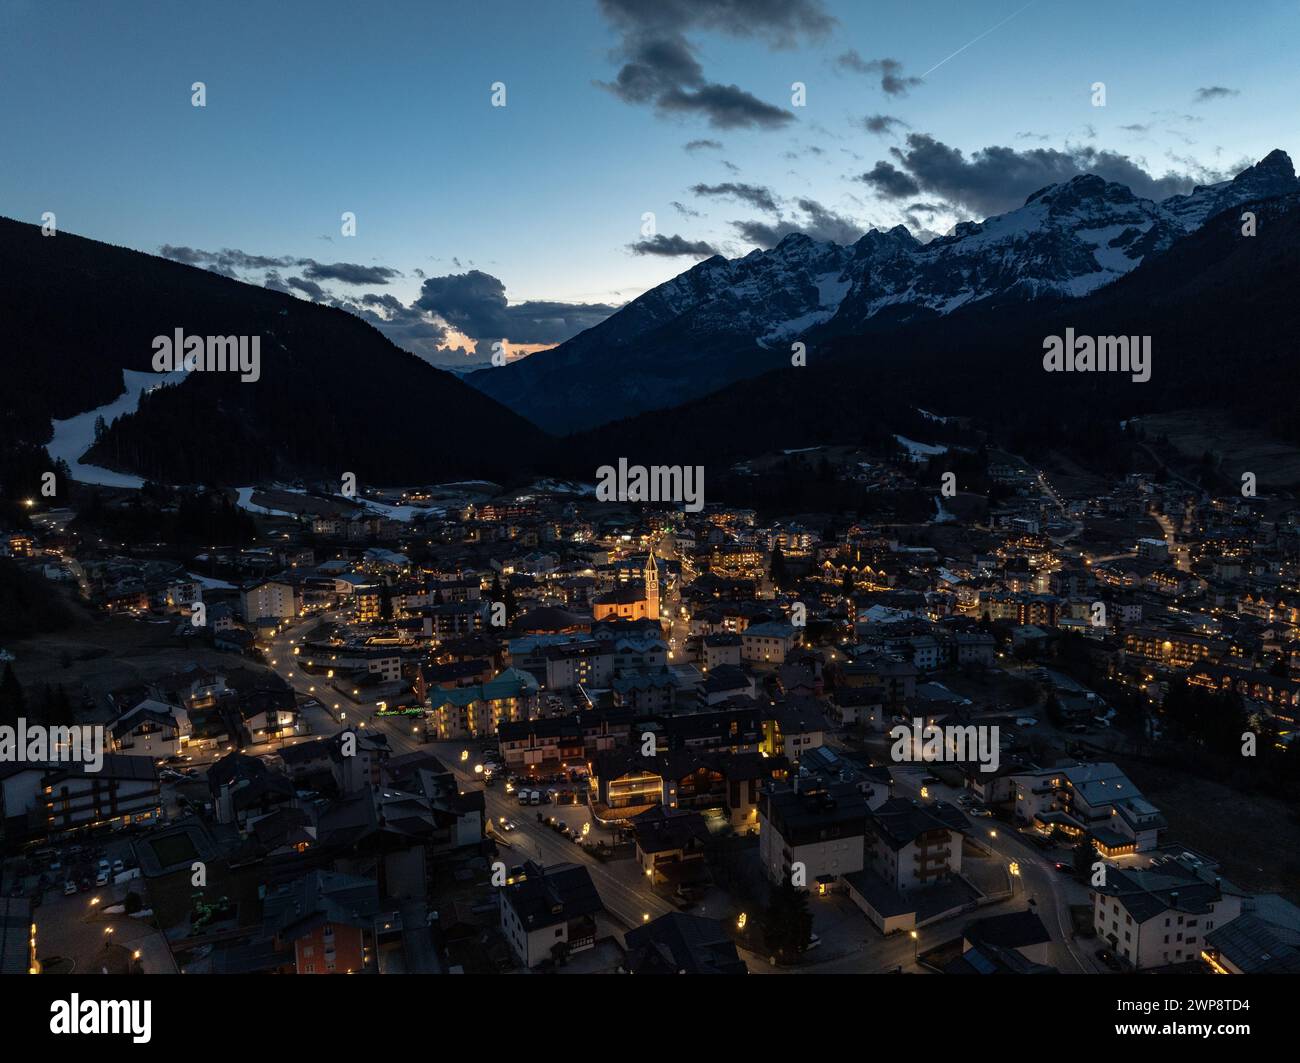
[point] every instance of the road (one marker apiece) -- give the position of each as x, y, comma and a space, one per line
1052, 891
622, 887
620, 883
1179, 554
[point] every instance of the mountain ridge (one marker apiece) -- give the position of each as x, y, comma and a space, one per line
76, 312
727, 319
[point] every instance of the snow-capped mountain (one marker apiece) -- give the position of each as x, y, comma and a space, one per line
725, 319
1067, 240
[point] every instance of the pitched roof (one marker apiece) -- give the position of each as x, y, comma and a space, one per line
678, 943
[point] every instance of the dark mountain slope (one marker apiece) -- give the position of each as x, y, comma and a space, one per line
334, 394
1219, 306
725, 320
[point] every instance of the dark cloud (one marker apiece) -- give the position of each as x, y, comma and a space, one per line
310, 289
701, 145
1214, 92
229, 261
1032, 136
725, 106
684, 210
818, 222
881, 124
409, 327
1136, 127
225, 260
755, 195
672, 247
996, 179
475, 304
779, 22
892, 80
890, 181
350, 272
659, 67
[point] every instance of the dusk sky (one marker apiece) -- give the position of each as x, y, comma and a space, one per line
385, 110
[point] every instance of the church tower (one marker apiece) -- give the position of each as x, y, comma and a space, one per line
652, 587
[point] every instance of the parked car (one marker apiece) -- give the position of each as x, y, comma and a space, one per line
69, 888
102, 877
118, 867
1109, 959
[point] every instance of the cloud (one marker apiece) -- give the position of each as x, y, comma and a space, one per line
1214, 92
310, 289
672, 247
725, 106
1136, 127
779, 22
229, 261
350, 273
409, 327
684, 210
818, 222
890, 181
701, 145
892, 80
474, 303
996, 179
274, 281
226, 259
659, 67
881, 124
755, 195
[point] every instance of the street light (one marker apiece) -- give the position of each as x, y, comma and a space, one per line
916, 945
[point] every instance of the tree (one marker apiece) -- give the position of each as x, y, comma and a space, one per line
787, 922
1085, 855
777, 568
12, 701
